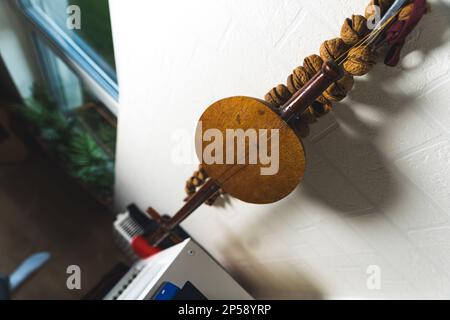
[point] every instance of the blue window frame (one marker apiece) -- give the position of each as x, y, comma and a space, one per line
48, 18
77, 89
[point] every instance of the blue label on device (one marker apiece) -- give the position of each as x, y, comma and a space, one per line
168, 291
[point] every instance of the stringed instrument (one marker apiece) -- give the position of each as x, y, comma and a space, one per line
243, 179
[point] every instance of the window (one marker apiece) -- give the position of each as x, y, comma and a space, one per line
73, 109
94, 35
88, 46
73, 126
62, 83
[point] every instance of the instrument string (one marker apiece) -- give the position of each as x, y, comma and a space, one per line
363, 43
367, 40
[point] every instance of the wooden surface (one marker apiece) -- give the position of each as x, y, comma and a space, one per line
245, 182
11, 149
42, 210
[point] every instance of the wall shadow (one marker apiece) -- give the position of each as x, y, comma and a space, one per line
344, 152
267, 281
346, 170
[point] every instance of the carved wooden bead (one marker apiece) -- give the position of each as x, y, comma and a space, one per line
292, 87
196, 182
360, 61
322, 109
354, 29
332, 49
297, 79
190, 189
278, 96
322, 99
200, 175
312, 64
339, 90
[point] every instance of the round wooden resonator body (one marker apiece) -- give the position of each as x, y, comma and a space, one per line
269, 178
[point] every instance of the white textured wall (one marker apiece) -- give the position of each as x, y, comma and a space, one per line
16, 49
377, 189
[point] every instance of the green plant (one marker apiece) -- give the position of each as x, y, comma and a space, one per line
51, 123
108, 135
90, 163
66, 139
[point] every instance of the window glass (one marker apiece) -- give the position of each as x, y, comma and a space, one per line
88, 24
62, 83
65, 111
74, 127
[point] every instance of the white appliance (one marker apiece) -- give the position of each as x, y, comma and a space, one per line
184, 262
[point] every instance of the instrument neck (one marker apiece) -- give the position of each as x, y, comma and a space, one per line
313, 89
205, 193
295, 106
